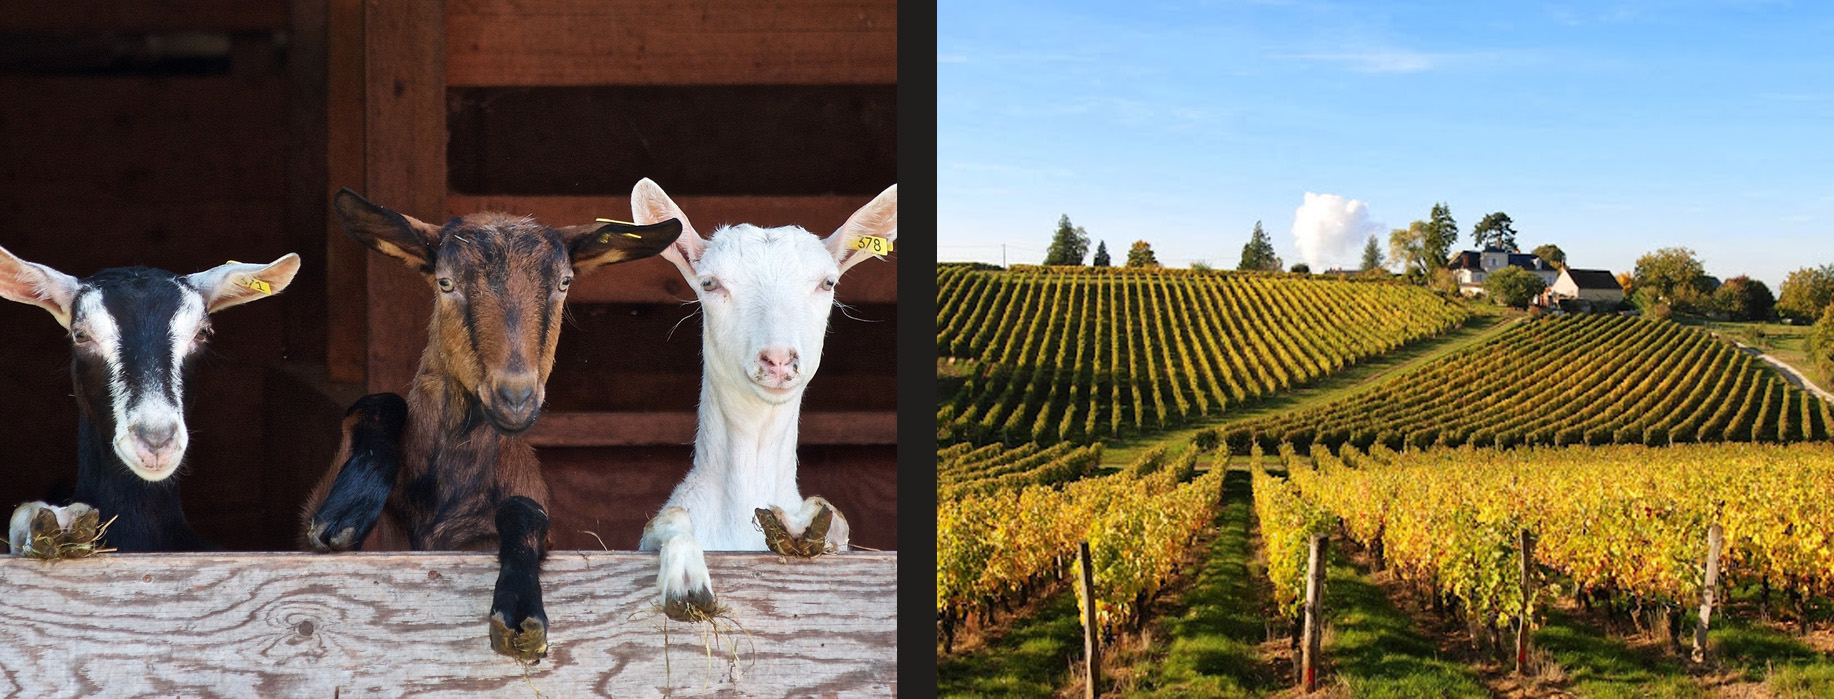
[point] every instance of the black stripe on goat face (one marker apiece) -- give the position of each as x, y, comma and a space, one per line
135, 334
499, 309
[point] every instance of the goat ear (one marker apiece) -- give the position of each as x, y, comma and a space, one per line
378, 228
649, 204
878, 218
36, 284
236, 283
599, 244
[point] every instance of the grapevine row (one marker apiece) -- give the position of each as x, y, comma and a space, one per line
1080, 354
1576, 380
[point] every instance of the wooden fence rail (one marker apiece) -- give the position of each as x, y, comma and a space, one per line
391, 624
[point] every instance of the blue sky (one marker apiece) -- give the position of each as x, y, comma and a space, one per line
1610, 129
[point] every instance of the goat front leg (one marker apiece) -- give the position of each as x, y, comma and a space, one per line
518, 623
41, 529
681, 578
812, 530
372, 435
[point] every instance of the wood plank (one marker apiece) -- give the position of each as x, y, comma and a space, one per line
143, 16
661, 42
657, 281
311, 625
346, 262
405, 166
616, 429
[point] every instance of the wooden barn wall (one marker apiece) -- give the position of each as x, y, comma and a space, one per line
185, 164
179, 165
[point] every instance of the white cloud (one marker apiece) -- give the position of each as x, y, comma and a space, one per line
1330, 230
1392, 61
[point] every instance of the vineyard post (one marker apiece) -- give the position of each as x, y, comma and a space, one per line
1314, 612
1092, 644
1523, 626
1716, 536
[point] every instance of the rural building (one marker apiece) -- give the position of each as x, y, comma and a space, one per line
1595, 285
1472, 267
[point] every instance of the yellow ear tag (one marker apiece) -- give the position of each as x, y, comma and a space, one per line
873, 245
252, 282
606, 237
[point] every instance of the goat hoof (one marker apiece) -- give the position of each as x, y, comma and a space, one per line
527, 643
343, 540
695, 605
812, 542
85, 525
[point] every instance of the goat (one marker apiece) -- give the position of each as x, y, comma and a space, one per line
448, 469
135, 334
766, 294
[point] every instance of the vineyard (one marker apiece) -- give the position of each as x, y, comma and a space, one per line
1084, 354
1621, 526
1589, 380
999, 548
965, 470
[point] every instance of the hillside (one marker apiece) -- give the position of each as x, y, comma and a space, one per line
1572, 380
1086, 354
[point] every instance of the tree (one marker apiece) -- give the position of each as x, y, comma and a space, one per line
1820, 343
1372, 254
1201, 266
1069, 245
1495, 230
1552, 255
1301, 268
1411, 247
1513, 286
1442, 234
1744, 298
1141, 255
1101, 254
1673, 275
1806, 293
1258, 254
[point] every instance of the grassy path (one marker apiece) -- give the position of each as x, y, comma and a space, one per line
1032, 659
1214, 633
1374, 649
1349, 381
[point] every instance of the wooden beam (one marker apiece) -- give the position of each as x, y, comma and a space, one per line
663, 42
346, 262
287, 624
143, 16
619, 429
405, 168
657, 281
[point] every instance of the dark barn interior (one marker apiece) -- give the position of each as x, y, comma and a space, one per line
180, 134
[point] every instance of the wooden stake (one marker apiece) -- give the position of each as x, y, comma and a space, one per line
1092, 644
1526, 544
1716, 537
1314, 613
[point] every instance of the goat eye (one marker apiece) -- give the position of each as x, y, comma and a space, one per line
827, 284
203, 334
79, 336
709, 284
445, 284
566, 282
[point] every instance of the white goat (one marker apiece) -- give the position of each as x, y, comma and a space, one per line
766, 294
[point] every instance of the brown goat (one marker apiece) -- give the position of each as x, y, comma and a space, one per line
448, 468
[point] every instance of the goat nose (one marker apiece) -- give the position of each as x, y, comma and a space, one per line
516, 397
156, 438
780, 361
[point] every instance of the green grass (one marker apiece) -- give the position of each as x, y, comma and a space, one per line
1216, 627
1031, 660
1376, 650
1786, 342
1485, 322
1597, 665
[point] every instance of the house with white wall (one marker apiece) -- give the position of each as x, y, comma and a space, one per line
1472, 267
